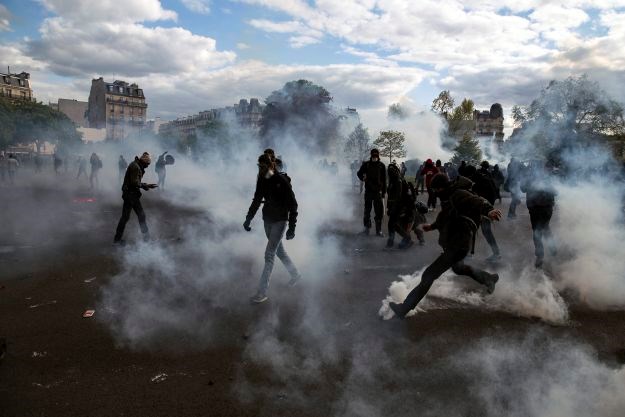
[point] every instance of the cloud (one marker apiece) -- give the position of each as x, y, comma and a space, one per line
109, 10
242, 46
5, 16
197, 6
304, 35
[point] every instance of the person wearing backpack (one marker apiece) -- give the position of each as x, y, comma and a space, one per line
457, 223
484, 186
398, 208
540, 200
429, 171
373, 174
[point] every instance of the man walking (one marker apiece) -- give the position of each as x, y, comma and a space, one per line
540, 200
373, 174
96, 165
131, 194
279, 209
457, 222
484, 186
428, 171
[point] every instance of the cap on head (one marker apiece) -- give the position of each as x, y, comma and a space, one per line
265, 159
428, 162
375, 152
271, 153
485, 164
393, 168
439, 181
146, 158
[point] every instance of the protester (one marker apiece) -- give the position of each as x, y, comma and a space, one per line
58, 162
38, 163
161, 169
429, 171
462, 168
82, 167
12, 166
499, 180
402, 170
373, 174
457, 223
280, 208
122, 165
131, 194
484, 186
400, 216
540, 200
512, 185
420, 179
96, 165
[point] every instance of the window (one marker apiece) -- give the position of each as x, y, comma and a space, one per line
121, 90
21, 82
110, 88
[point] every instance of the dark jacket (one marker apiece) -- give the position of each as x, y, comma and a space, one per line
394, 190
280, 203
539, 190
461, 214
374, 176
132, 180
484, 185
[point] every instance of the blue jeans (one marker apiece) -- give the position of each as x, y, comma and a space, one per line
274, 232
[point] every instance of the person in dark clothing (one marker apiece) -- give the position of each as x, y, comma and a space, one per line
462, 168
58, 162
280, 207
398, 208
38, 162
420, 179
82, 167
161, 169
131, 194
540, 200
121, 168
499, 180
96, 165
457, 223
428, 171
373, 174
484, 186
512, 185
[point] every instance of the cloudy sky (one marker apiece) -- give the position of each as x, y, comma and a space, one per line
191, 55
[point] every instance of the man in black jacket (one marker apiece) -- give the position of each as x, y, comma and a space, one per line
398, 209
540, 199
131, 194
373, 174
484, 186
461, 211
280, 207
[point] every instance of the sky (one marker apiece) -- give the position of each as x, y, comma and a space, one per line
193, 55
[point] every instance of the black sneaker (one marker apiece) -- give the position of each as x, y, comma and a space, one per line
120, 243
490, 284
538, 263
390, 243
398, 309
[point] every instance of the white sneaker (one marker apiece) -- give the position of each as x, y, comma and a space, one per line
259, 298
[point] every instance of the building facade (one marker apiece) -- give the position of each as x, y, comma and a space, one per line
489, 122
16, 87
247, 114
75, 110
118, 107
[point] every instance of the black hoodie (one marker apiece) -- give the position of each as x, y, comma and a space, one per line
280, 203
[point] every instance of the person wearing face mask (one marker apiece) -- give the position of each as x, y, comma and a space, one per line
457, 223
373, 174
131, 194
280, 209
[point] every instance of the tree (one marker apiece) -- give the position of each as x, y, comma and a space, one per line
301, 111
443, 103
468, 149
397, 111
30, 122
460, 121
358, 143
391, 143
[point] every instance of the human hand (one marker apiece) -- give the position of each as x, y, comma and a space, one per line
152, 186
290, 234
246, 225
494, 215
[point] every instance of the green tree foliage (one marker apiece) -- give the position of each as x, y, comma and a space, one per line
300, 111
443, 103
358, 144
460, 120
29, 122
397, 111
468, 149
391, 143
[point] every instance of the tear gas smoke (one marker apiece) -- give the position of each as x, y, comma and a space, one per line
528, 294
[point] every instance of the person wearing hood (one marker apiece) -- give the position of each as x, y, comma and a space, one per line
429, 171
457, 223
280, 209
131, 194
540, 200
373, 174
499, 179
399, 208
161, 170
484, 186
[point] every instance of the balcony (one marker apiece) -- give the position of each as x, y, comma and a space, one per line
124, 102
